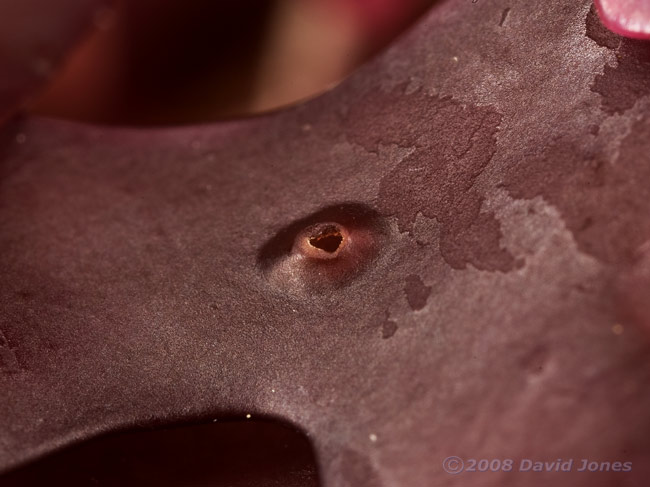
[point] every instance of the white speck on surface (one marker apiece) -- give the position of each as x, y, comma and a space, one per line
248, 416
373, 437
455, 59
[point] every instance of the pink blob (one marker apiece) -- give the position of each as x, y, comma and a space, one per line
630, 18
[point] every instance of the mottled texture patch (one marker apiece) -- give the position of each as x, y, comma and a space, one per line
454, 143
605, 205
417, 292
597, 32
622, 85
388, 329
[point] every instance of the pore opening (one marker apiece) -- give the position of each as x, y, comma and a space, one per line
328, 239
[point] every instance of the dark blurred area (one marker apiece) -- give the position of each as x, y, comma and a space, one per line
234, 454
151, 62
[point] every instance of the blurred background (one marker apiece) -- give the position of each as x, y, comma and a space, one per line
160, 62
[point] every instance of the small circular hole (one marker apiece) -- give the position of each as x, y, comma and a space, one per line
325, 250
328, 239
322, 241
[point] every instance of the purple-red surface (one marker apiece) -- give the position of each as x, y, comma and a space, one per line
489, 177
